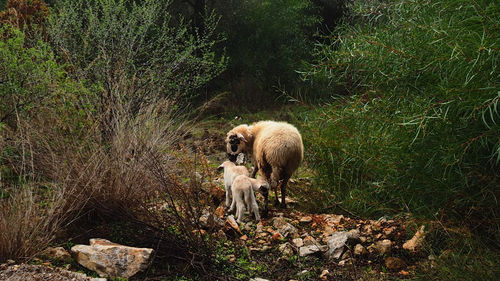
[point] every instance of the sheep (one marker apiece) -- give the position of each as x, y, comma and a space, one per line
243, 188
276, 149
231, 171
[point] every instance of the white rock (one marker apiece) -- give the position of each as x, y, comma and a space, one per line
336, 244
298, 242
311, 249
110, 259
285, 229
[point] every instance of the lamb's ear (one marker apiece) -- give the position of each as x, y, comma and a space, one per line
221, 167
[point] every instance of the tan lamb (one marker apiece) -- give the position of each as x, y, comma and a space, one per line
275, 147
243, 188
231, 171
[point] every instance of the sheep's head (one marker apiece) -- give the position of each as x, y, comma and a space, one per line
237, 142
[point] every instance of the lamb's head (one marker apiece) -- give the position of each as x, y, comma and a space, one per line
263, 187
237, 142
224, 165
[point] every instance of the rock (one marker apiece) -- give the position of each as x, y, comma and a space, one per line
346, 261
286, 249
309, 240
110, 259
306, 219
58, 253
276, 236
324, 274
332, 220
298, 242
359, 250
24, 272
394, 263
311, 249
219, 212
231, 258
336, 244
286, 229
258, 279
383, 247
388, 231
353, 234
415, 243
231, 225
207, 219
259, 228
221, 235
248, 226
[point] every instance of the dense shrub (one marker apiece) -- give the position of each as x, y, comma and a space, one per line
133, 51
58, 180
420, 134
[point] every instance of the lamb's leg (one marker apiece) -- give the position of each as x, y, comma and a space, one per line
253, 206
228, 195
240, 209
233, 205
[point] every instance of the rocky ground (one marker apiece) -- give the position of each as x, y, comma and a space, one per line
290, 244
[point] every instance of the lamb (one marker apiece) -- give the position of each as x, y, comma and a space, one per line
276, 149
243, 188
231, 171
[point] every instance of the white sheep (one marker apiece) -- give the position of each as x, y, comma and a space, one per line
231, 171
276, 149
243, 188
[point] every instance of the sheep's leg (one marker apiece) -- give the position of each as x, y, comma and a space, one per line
283, 192
276, 200
275, 183
255, 170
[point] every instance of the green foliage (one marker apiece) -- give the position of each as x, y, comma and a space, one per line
31, 79
133, 50
422, 133
268, 40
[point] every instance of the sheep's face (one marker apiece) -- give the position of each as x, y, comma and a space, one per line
235, 144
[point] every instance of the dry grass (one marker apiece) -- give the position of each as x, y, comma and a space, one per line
58, 180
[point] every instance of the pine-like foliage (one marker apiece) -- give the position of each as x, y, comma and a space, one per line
421, 131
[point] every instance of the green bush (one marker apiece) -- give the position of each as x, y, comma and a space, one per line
134, 52
421, 132
268, 40
30, 79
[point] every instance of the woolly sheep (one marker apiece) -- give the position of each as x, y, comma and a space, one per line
231, 171
243, 188
276, 149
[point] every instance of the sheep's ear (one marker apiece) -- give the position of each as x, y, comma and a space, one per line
221, 167
241, 137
